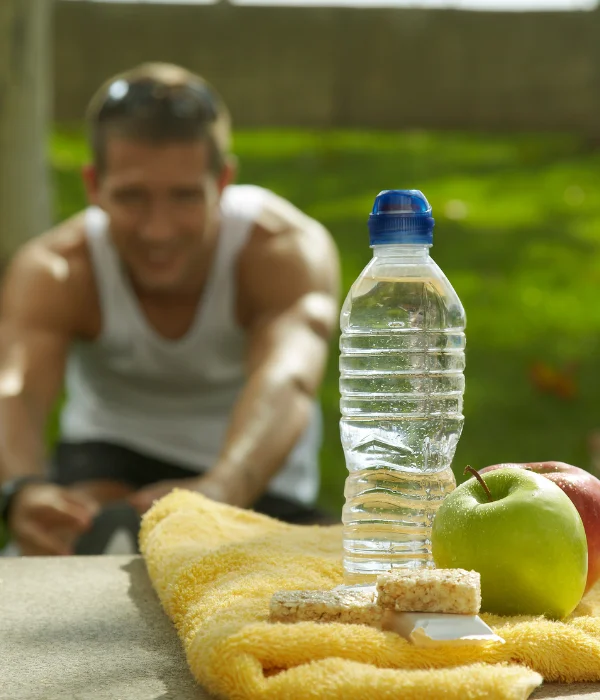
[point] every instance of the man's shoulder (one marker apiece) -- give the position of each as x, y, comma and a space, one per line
58, 256
267, 210
51, 274
67, 238
289, 254
284, 231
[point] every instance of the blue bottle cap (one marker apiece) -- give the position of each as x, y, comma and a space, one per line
401, 216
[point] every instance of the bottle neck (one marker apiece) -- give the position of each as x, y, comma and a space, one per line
406, 251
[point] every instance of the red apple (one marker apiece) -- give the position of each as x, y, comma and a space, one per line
584, 491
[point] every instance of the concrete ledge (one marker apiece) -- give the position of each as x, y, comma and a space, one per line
83, 628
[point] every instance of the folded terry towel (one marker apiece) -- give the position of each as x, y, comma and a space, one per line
215, 568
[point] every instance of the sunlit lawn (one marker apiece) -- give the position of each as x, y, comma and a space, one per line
518, 234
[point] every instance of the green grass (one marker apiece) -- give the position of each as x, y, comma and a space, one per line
521, 247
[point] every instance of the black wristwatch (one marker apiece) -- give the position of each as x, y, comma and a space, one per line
9, 489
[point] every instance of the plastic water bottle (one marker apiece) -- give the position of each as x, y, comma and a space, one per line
402, 383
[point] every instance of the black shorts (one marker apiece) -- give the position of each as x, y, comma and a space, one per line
89, 461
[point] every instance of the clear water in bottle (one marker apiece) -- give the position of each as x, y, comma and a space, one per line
402, 383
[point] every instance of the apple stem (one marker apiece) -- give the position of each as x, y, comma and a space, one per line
469, 470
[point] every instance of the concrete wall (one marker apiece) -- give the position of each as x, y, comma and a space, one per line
323, 67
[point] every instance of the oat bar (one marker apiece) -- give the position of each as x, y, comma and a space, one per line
353, 606
430, 590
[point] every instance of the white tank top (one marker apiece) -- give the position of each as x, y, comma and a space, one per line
172, 399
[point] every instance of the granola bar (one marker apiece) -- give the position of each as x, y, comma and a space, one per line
353, 606
430, 590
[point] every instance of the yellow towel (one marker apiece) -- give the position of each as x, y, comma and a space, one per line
215, 568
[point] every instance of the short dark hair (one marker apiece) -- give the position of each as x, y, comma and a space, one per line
159, 103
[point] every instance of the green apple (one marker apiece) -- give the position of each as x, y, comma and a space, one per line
522, 534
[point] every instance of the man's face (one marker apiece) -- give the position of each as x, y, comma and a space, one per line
163, 206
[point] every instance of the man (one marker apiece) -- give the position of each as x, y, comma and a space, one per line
189, 316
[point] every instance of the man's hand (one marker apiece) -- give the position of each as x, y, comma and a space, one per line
143, 499
46, 520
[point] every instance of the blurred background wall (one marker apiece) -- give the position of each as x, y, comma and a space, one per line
348, 67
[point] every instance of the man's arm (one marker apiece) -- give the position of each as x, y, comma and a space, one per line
289, 276
34, 339
37, 311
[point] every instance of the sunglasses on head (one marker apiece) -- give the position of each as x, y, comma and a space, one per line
190, 101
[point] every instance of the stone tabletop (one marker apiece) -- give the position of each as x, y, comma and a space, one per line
83, 628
